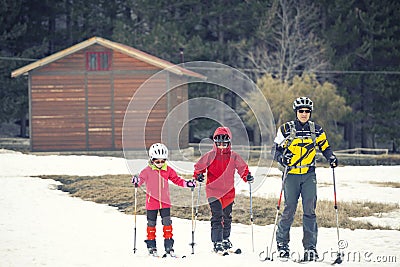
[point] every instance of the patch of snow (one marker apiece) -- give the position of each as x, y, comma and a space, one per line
40, 226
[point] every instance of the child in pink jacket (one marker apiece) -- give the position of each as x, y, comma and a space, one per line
156, 176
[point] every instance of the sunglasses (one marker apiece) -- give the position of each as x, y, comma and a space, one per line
304, 111
159, 161
222, 144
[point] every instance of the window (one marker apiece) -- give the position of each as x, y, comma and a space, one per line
98, 61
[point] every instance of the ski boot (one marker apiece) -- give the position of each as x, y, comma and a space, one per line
283, 251
226, 244
151, 247
310, 255
219, 248
168, 246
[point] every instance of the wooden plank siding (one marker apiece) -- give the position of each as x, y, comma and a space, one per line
74, 109
58, 113
99, 111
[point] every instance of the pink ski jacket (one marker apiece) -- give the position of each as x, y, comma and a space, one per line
157, 187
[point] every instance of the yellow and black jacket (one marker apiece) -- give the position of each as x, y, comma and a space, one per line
301, 144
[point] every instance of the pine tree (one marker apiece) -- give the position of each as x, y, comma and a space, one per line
364, 36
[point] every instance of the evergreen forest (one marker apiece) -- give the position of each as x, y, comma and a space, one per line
349, 50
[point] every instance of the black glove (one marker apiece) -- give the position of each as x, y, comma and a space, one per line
249, 178
200, 177
135, 180
191, 183
285, 159
333, 161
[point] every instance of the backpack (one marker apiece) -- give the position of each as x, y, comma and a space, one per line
292, 134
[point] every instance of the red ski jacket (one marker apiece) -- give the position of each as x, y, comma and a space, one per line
221, 165
157, 188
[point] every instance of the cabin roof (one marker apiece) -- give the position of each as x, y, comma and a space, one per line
127, 50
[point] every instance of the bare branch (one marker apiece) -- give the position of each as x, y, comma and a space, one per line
293, 45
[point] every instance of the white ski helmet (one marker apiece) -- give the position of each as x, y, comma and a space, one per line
158, 151
303, 102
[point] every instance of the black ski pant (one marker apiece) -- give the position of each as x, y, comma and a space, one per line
152, 217
306, 186
167, 227
221, 220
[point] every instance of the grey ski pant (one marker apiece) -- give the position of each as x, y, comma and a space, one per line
296, 185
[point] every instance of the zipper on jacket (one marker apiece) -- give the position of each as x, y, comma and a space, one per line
159, 188
301, 156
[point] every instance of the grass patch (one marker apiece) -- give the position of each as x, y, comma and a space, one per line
386, 184
117, 191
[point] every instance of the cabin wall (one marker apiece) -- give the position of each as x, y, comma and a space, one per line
75, 109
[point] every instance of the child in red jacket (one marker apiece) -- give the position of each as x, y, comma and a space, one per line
221, 163
156, 176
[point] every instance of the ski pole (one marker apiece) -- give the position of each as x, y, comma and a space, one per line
251, 218
339, 254
194, 215
278, 207
193, 223
197, 205
134, 215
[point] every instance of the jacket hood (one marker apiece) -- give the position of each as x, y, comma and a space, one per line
223, 130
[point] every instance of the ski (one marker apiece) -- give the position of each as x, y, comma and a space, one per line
228, 252
154, 254
338, 259
302, 261
221, 253
262, 258
307, 262
173, 255
234, 251
283, 259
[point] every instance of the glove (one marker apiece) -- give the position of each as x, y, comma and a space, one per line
135, 180
333, 161
200, 177
249, 178
285, 159
191, 183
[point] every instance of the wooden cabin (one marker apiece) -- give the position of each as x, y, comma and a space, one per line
78, 97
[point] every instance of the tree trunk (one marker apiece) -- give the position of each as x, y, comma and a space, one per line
69, 22
367, 139
22, 131
256, 136
349, 134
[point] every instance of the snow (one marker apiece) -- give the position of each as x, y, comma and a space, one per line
41, 226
